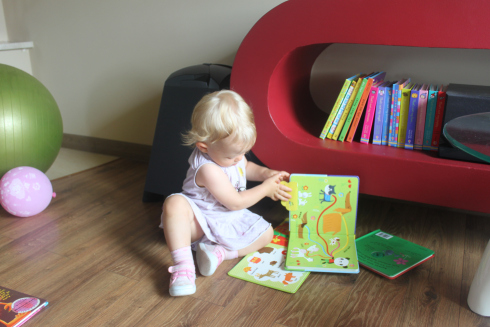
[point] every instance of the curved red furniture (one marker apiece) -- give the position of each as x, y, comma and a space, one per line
272, 72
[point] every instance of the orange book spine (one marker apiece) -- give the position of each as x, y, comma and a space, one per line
360, 110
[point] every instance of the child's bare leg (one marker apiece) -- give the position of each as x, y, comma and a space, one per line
261, 242
179, 223
181, 228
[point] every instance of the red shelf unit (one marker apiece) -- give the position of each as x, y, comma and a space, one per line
272, 72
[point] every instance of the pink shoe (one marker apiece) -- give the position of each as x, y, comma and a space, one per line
208, 257
183, 280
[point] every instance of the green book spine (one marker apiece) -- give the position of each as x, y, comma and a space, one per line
347, 110
335, 109
353, 110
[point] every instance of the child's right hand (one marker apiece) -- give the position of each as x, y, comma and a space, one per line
277, 191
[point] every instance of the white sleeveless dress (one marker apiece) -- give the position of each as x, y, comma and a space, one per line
233, 230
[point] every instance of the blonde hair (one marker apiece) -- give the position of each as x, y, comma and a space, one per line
219, 115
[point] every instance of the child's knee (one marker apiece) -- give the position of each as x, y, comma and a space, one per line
176, 207
175, 204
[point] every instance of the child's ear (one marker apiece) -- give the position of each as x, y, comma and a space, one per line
203, 147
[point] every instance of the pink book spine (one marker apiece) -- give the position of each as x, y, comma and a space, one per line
369, 118
421, 111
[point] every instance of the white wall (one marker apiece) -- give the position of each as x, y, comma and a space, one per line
3, 27
105, 62
16, 58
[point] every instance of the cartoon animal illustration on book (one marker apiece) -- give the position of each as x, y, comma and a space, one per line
325, 224
302, 253
341, 262
289, 278
327, 193
255, 260
22, 307
269, 270
332, 222
270, 273
266, 249
304, 194
304, 221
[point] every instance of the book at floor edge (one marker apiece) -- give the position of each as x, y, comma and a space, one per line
389, 255
16, 308
322, 223
266, 266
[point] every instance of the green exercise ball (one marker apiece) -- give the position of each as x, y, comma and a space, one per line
31, 129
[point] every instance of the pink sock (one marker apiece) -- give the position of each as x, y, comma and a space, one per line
228, 254
183, 256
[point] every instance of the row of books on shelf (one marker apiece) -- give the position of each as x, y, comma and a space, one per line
395, 113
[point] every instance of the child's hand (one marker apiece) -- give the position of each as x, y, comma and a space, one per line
283, 175
278, 191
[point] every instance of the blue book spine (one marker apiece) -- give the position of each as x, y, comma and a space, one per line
397, 114
394, 97
378, 116
412, 118
429, 118
386, 117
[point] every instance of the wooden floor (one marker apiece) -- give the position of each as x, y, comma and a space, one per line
97, 254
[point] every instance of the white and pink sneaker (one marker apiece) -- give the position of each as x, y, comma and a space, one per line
182, 280
209, 257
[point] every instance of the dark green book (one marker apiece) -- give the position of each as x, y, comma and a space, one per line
389, 255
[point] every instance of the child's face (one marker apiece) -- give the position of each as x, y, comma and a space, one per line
226, 152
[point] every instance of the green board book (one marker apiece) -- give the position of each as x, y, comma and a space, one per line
322, 223
266, 266
389, 255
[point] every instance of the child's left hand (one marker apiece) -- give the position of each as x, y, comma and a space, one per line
279, 191
284, 176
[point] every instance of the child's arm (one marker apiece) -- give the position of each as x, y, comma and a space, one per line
215, 180
258, 173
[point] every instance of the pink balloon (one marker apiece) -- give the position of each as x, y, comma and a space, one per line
25, 191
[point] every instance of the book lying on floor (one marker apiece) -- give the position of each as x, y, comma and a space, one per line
16, 307
322, 223
266, 266
389, 255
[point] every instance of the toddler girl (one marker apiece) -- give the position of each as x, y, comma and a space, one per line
211, 211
